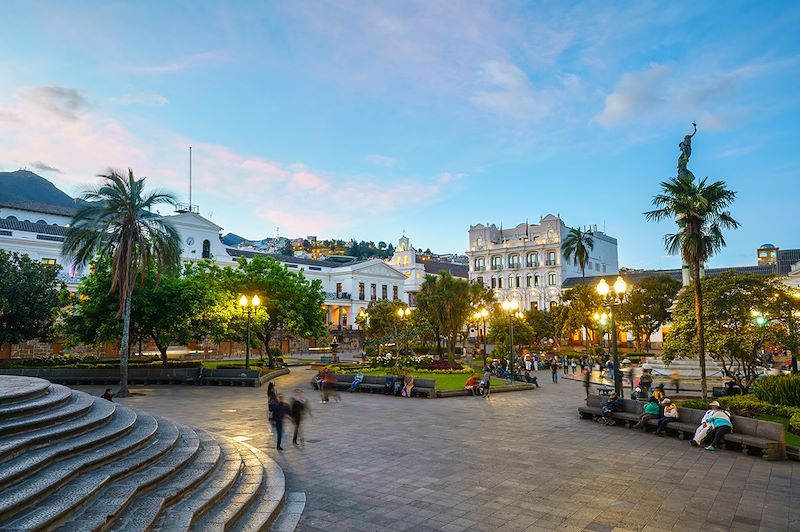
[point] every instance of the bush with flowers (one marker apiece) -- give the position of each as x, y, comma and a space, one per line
394, 364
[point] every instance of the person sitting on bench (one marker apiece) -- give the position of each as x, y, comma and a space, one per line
670, 414
614, 404
649, 411
531, 380
473, 384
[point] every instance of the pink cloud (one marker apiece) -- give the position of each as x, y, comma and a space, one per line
243, 190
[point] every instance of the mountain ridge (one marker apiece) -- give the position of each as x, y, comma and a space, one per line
23, 186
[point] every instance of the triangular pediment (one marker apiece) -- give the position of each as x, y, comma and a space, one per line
377, 267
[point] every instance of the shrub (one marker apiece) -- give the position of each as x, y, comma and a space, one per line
699, 404
441, 365
779, 389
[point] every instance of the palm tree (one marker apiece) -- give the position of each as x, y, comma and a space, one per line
117, 220
700, 211
577, 245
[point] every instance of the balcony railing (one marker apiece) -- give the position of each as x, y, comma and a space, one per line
550, 263
480, 268
496, 267
338, 295
531, 264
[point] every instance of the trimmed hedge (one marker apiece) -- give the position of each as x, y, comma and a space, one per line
750, 406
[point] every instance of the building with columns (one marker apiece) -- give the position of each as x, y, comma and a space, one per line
525, 262
38, 230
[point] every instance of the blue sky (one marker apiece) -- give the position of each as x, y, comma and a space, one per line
361, 119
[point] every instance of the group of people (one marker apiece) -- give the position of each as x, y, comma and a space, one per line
480, 386
715, 424
325, 382
297, 409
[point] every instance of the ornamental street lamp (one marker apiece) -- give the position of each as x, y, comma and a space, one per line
511, 306
610, 300
251, 305
481, 315
403, 314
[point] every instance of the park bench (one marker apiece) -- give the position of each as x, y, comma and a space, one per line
749, 433
228, 377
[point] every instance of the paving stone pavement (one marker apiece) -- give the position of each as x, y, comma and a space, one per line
518, 461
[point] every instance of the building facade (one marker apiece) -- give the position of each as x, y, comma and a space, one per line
525, 262
38, 230
414, 266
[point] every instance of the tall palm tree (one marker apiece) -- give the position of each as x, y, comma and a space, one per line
700, 211
117, 220
576, 246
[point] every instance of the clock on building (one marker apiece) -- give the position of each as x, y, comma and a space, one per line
190, 241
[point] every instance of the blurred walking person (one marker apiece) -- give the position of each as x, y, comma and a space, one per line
298, 411
279, 412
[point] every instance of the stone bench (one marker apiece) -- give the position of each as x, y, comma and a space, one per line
377, 383
230, 376
749, 433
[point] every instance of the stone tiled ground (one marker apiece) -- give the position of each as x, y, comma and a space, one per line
519, 461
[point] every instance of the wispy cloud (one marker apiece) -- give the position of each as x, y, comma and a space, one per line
8, 116
185, 63
381, 160
294, 196
143, 98
39, 165
737, 151
65, 102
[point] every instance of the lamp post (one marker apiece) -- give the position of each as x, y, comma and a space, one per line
611, 300
251, 305
481, 315
403, 314
511, 306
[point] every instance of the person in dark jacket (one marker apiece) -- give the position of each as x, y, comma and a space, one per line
298, 410
614, 404
279, 412
107, 395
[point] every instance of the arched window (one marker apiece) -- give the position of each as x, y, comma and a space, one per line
405, 260
513, 261
206, 249
480, 264
532, 260
40, 221
536, 280
552, 279
528, 281
518, 281
12, 218
497, 263
494, 283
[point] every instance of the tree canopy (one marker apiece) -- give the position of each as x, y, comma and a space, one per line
445, 301
733, 336
646, 307
29, 298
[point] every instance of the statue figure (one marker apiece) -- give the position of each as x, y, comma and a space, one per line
686, 152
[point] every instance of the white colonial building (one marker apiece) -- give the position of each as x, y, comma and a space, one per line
38, 230
525, 262
415, 266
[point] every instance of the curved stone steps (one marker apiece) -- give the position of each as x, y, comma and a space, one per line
239, 498
34, 460
178, 444
51, 397
15, 389
74, 406
145, 510
62, 487
101, 413
183, 514
269, 498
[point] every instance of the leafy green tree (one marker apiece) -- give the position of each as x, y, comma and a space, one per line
382, 324
542, 324
732, 332
577, 246
289, 302
579, 305
29, 298
165, 311
118, 219
499, 330
646, 307
445, 302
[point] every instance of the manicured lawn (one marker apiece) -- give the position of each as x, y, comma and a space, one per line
791, 439
444, 381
